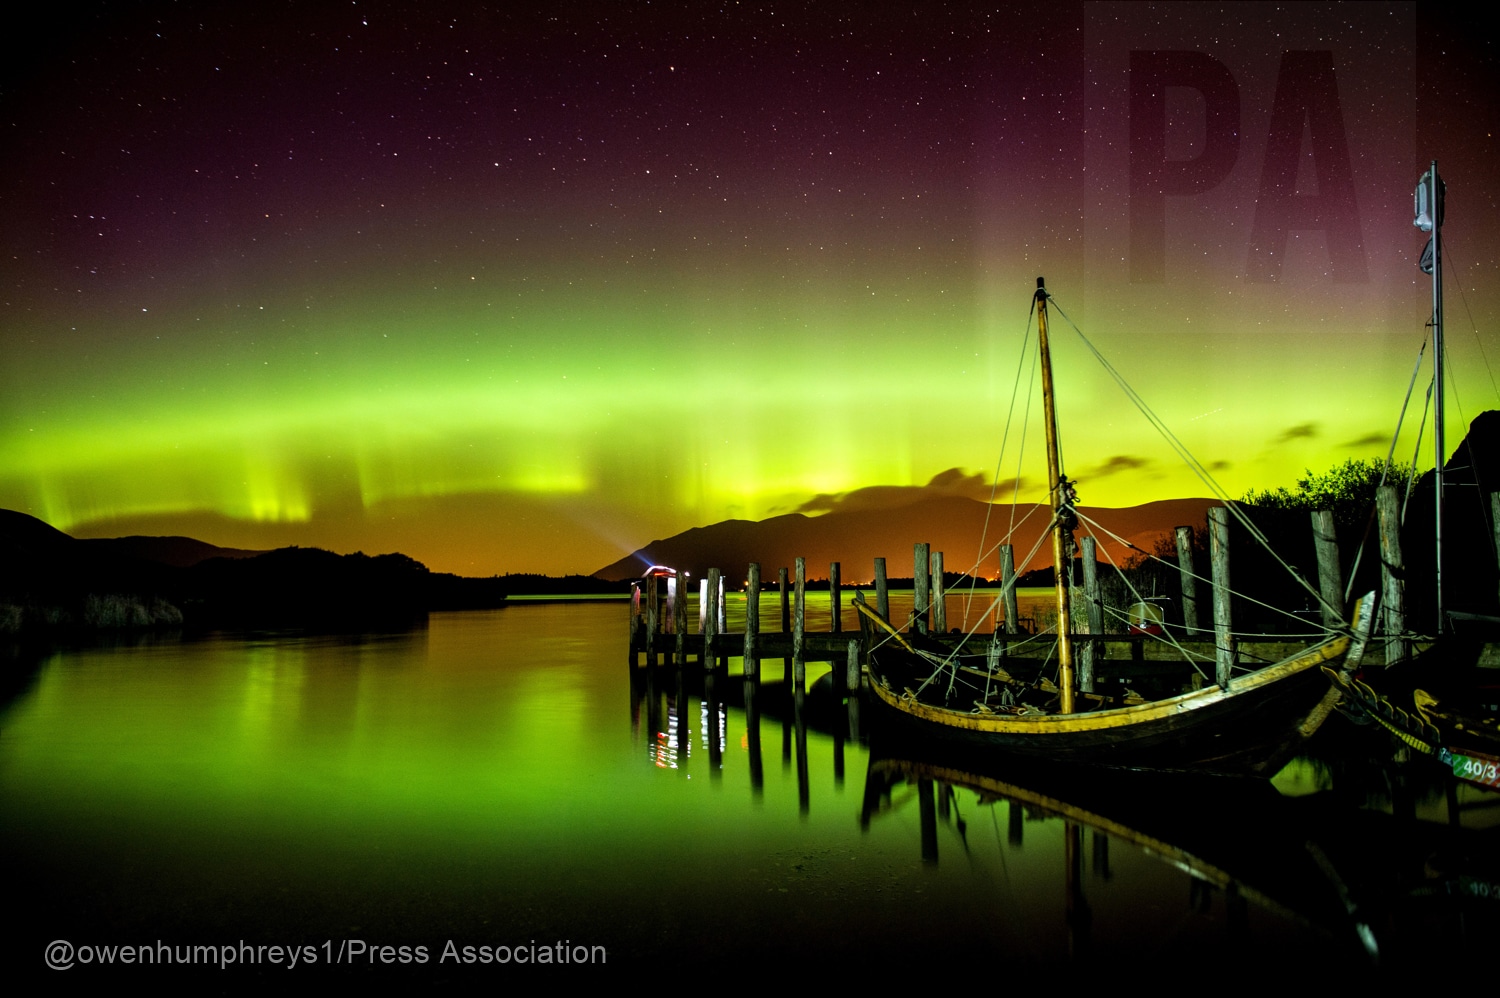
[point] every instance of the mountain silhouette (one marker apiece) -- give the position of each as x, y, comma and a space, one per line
855, 538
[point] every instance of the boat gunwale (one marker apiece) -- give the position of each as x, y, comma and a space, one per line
1117, 717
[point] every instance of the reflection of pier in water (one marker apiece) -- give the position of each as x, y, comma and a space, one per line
1369, 888
1226, 865
667, 704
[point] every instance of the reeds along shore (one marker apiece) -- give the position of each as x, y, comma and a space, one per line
95, 612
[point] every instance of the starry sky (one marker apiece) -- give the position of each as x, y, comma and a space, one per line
524, 290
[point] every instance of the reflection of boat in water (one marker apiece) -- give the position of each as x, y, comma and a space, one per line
1244, 724
1257, 872
1122, 852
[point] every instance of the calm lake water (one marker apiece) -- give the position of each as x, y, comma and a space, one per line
498, 780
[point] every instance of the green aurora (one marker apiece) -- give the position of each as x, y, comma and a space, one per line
528, 319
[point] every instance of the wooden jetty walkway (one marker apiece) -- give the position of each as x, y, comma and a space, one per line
670, 627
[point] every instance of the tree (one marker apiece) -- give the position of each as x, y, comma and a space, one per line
1347, 489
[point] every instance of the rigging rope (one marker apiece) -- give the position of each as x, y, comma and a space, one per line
1000, 461
1328, 631
1473, 326
1390, 454
1191, 461
947, 663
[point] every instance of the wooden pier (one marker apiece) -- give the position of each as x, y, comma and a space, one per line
689, 626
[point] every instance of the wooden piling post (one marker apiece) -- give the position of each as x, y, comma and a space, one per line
1218, 545
1330, 580
752, 622
653, 616
1189, 580
882, 591
786, 622
1008, 580
711, 620
1392, 574
835, 598
851, 667
919, 596
786, 606
939, 595
1087, 664
1495, 520
680, 618
799, 618
635, 619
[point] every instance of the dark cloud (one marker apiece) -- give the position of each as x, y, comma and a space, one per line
1116, 464
1302, 431
953, 482
1369, 440
1220, 466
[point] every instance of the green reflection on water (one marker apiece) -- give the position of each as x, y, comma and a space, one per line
492, 774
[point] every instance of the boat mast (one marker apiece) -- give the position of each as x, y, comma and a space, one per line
1064, 517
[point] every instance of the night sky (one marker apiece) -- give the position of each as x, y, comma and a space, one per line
524, 291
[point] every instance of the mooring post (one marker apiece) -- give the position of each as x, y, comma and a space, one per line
1330, 579
635, 618
1218, 545
835, 598
1189, 580
786, 623
1495, 522
851, 667
919, 596
786, 606
1008, 581
653, 616
1087, 664
752, 622
882, 592
939, 595
680, 618
1392, 574
799, 618
711, 620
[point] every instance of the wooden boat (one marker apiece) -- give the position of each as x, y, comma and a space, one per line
1249, 725
1467, 743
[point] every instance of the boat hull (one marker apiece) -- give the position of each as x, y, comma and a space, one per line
1252, 729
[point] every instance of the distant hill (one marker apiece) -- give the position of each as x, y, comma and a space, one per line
51, 580
855, 538
182, 552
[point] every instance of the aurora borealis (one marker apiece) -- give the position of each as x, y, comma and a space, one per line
524, 291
